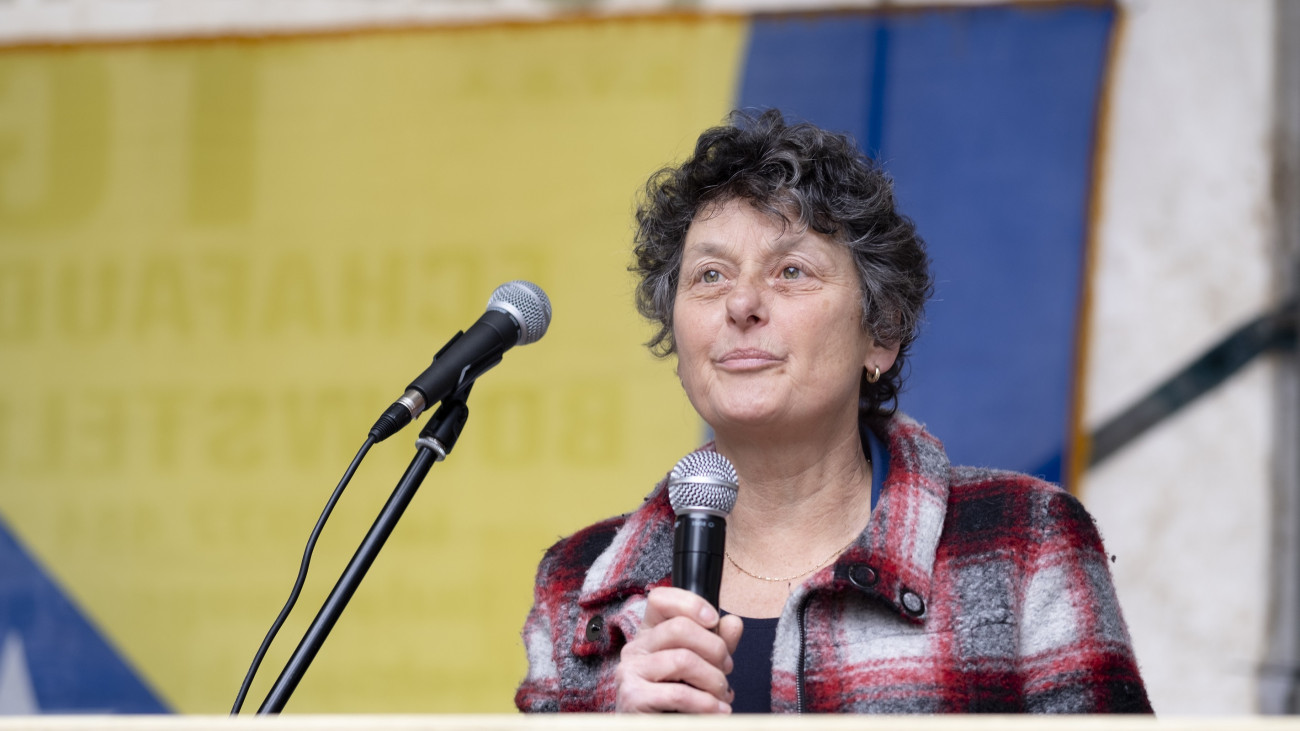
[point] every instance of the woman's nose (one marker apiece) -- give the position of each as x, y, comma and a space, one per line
747, 302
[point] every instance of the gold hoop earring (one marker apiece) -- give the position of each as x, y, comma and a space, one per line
874, 376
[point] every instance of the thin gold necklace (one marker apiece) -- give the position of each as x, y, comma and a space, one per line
824, 561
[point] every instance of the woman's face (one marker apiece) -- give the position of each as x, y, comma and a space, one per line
767, 323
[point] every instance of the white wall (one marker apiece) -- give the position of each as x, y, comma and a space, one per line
1184, 255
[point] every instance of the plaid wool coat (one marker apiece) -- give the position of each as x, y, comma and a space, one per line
969, 591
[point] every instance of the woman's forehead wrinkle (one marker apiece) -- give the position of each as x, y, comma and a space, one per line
785, 241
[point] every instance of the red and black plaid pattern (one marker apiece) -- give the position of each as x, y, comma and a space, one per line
970, 591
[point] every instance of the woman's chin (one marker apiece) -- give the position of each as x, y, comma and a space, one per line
774, 418
748, 420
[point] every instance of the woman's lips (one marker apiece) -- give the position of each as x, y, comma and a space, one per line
746, 359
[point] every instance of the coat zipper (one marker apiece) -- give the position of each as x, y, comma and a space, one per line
803, 650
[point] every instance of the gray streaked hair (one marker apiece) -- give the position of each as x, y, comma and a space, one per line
809, 178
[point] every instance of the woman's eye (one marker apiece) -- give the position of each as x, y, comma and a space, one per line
710, 277
791, 273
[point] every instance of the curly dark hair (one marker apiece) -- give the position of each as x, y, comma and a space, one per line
808, 177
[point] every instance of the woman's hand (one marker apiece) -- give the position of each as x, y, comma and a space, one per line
677, 662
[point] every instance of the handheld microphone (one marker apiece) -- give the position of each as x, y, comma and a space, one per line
702, 489
518, 313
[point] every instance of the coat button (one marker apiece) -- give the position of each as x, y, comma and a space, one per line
863, 576
912, 603
594, 626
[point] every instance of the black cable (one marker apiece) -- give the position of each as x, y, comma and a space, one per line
302, 574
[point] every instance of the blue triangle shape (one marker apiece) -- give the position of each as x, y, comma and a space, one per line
72, 665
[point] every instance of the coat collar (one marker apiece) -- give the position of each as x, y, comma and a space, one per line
894, 556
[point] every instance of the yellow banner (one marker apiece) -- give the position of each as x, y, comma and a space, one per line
220, 261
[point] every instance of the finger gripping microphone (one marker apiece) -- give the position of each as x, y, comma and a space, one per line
518, 313
702, 489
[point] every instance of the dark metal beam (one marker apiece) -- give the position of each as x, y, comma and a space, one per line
1273, 331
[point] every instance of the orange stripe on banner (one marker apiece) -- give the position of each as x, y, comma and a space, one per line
1080, 447
578, 18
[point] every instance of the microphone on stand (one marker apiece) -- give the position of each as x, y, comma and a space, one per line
702, 489
518, 313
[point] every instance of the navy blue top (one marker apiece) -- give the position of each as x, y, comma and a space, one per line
879, 455
751, 677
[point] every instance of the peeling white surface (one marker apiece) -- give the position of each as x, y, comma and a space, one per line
28, 21
1183, 511
1184, 251
1184, 237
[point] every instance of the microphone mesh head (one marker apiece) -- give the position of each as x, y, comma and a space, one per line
527, 304
703, 482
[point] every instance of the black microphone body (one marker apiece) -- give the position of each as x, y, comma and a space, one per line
699, 540
702, 489
467, 356
518, 313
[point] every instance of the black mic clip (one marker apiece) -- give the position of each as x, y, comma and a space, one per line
444, 427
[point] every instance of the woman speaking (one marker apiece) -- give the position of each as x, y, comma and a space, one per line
863, 572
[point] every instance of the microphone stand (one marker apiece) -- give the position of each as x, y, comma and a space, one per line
436, 441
